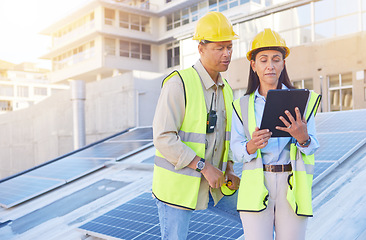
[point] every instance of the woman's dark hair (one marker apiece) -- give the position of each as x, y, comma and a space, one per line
253, 79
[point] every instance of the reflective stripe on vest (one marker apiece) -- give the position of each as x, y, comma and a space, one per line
180, 187
253, 195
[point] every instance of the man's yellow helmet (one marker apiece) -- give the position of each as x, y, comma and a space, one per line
214, 27
268, 38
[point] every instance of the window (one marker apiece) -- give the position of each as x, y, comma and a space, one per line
39, 91
173, 54
124, 48
145, 52
340, 92
109, 16
134, 50
305, 83
110, 48
23, 91
134, 22
6, 90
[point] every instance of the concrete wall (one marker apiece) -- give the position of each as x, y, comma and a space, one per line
44, 131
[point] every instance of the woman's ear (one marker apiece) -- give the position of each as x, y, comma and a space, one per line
252, 64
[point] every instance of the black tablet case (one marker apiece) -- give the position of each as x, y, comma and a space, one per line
277, 102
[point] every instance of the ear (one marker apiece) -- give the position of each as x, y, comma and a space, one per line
200, 48
252, 64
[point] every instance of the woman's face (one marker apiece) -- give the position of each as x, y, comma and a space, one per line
268, 65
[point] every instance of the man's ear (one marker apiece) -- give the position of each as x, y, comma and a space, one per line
200, 48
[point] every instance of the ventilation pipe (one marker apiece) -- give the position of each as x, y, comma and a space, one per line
78, 108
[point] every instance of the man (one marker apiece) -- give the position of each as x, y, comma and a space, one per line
192, 131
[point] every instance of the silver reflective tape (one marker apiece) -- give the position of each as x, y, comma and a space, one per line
192, 137
163, 163
254, 164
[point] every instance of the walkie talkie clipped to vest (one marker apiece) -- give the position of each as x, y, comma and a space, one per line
211, 118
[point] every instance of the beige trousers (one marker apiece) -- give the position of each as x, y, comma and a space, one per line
278, 221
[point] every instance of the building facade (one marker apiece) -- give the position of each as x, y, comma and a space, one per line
105, 38
23, 85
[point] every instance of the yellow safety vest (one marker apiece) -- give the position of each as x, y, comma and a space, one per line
253, 195
180, 187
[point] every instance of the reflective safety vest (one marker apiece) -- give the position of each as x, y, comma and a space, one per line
253, 195
180, 187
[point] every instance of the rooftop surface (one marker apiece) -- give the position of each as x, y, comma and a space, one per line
103, 191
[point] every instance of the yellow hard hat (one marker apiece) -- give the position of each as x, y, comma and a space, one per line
268, 38
214, 27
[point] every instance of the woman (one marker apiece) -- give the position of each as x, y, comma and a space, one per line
275, 190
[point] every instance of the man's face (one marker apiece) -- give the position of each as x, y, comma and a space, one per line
216, 56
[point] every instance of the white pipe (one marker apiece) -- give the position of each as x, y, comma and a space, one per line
78, 105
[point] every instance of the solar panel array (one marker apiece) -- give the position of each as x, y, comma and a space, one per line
340, 134
56, 173
138, 219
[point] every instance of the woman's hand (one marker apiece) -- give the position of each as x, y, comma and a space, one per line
296, 128
259, 140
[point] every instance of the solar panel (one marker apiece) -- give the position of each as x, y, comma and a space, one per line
49, 176
112, 150
45, 178
136, 134
23, 187
138, 219
68, 169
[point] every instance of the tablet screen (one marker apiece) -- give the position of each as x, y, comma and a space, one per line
277, 102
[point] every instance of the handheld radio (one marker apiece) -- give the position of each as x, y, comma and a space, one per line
211, 118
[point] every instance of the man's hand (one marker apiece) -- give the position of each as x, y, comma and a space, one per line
213, 175
231, 176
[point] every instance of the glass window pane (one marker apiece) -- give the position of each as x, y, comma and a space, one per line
347, 25
334, 81
347, 99
169, 57
308, 83
123, 20
145, 24
212, 5
346, 7
303, 14
145, 49
244, 1
334, 100
324, 10
346, 79
135, 50
324, 30
297, 84
233, 4
109, 13
124, 48
203, 6
110, 46
222, 5
185, 16
284, 20
135, 22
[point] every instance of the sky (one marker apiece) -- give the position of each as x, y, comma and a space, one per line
21, 22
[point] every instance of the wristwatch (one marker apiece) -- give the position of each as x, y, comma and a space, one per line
200, 165
305, 144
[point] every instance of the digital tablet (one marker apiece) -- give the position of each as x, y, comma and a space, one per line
279, 100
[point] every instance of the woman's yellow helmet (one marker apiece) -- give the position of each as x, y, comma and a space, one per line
265, 39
